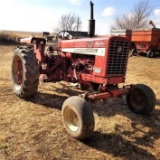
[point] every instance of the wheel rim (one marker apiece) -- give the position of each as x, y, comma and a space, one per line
72, 120
138, 99
17, 70
133, 52
151, 54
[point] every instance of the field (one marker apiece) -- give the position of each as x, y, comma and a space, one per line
33, 129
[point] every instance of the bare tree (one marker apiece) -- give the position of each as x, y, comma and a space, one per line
69, 22
136, 19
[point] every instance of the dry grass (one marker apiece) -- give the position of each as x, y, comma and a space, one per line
15, 36
33, 129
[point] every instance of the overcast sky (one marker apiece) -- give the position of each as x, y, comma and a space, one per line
43, 15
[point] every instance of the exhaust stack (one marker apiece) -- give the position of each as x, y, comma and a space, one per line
91, 31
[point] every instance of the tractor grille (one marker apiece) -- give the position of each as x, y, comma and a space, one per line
117, 57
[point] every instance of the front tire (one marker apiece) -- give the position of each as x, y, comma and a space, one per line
78, 117
141, 99
25, 72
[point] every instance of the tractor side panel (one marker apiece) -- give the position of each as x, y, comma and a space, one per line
101, 60
100, 66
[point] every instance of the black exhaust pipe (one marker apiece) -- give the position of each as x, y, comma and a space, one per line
91, 31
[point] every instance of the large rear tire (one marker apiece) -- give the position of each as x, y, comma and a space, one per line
25, 72
78, 117
141, 99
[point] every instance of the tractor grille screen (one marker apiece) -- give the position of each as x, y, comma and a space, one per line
117, 57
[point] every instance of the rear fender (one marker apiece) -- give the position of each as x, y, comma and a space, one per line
39, 47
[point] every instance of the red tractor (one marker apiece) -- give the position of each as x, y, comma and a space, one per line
95, 63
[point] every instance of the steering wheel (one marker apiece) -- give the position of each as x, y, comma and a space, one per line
63, 35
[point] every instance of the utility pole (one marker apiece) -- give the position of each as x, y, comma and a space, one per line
77, 27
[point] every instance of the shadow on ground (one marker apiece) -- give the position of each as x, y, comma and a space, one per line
114, 143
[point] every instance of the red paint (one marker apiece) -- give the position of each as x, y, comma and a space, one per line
100, 63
